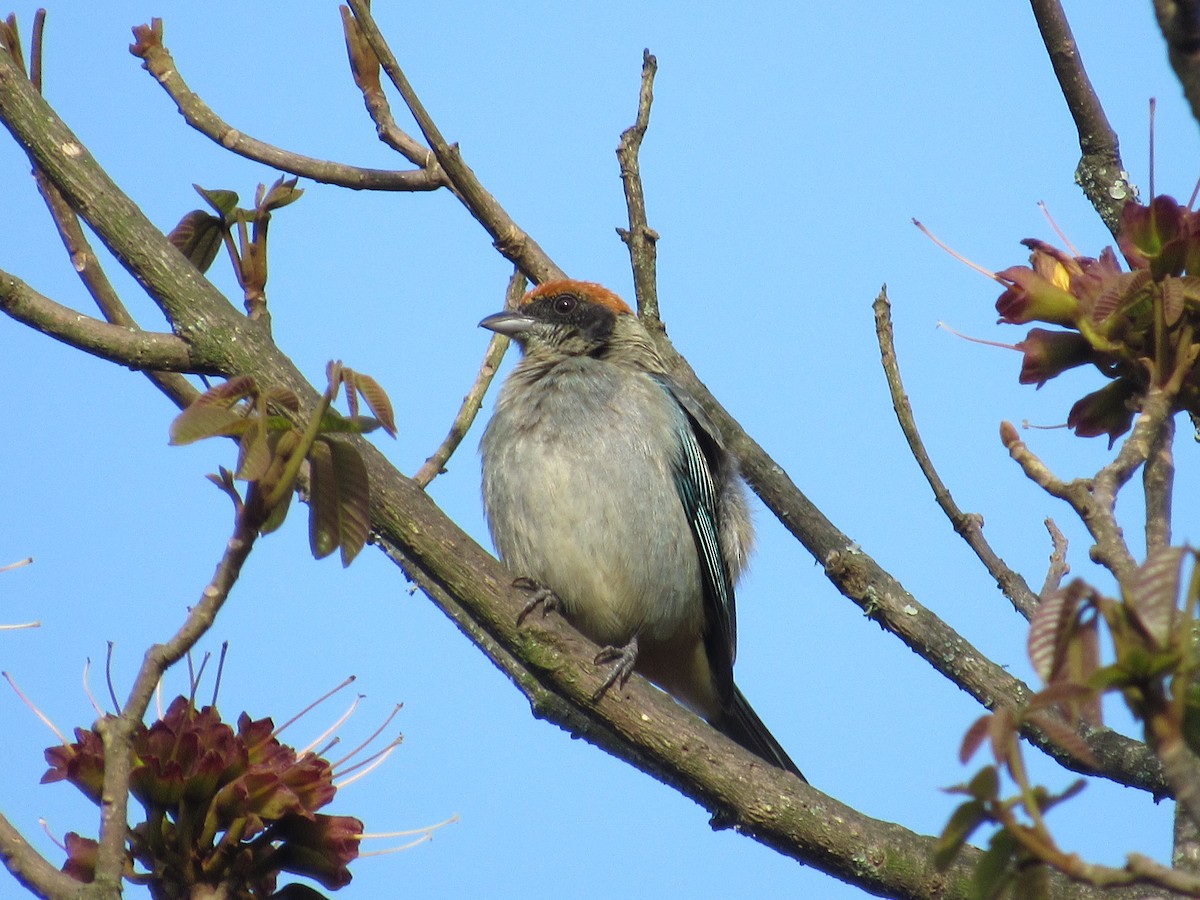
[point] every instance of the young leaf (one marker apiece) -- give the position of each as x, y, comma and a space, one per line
224, 202
1152, 594
281, 193
198, 236
323, 515
975, 736
963, 822
378, 401
353, 498
1064, 736
996, 867
1050, 627
202, 420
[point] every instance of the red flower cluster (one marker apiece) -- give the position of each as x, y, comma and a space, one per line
1138, 327
223, 808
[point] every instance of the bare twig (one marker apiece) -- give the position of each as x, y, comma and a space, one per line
968, 525
640, 238
158, 62
1059, 568
124, 346
512, 242
1093, 504
496, 348
364, 66
118, 731
1100, 173
30, 868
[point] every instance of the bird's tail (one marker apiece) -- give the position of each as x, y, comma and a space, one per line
741, 723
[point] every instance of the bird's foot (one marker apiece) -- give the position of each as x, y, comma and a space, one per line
623, 660
540, 595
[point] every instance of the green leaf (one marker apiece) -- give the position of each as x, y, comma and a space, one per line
996, 867
202, 420
255, 452
985, 785
282, 193
224, 202
277, 515
963, 822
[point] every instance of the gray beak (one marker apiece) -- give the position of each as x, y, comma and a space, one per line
513, 324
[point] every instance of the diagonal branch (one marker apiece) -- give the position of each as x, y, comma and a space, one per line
1100, 173
434, 465
969, 527
29, 868
158, 62
512, 241
128, 347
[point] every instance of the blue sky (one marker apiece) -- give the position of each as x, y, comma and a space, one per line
789, 149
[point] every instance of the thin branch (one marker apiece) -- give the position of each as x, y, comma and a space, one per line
364, 66
640, 238
512, 242
968, 525
1092, 503
1158, 483
128, 347
1179, 21
435, 464
158, 62
1100, 173
87, 266
1059, 568
28, 866
118, 731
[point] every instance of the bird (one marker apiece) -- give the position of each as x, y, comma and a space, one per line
606, 485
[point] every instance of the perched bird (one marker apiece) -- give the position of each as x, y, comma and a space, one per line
605, 483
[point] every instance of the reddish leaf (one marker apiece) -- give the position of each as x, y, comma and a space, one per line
323, 537
1050, 628
377, 399
353, 498
1152, 593
202, 420
973, 738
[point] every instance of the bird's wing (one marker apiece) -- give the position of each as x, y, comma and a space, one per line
699, 464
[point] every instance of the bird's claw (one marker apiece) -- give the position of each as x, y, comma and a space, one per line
540, 595
623, 660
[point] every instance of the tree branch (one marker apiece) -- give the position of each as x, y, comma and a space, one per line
1100, 173
434, 465
968, 525
158, 62
30, 869
1179, 21
128, 347
513, 243
640, 238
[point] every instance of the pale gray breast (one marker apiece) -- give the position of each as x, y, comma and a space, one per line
580, 496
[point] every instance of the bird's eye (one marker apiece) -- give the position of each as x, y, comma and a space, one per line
565, 304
